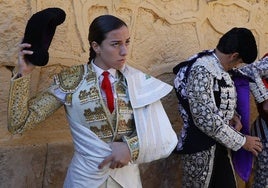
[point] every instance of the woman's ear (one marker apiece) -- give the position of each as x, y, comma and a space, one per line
95, 47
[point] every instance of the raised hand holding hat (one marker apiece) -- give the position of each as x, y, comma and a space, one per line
39, 33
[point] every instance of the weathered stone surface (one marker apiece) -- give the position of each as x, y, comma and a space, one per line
163, 33
22, 166
57, 159
164, 173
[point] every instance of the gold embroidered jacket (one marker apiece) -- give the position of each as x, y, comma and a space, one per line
77, 88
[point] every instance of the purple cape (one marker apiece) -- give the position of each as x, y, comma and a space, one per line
242, 159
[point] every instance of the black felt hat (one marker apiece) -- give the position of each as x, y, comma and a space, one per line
39, 33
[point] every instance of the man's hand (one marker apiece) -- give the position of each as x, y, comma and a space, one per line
120, 156
253, 144
236, 123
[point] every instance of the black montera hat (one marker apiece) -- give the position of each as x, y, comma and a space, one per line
39, 32
239, 40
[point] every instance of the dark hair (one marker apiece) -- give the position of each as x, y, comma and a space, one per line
99, 28
240, 40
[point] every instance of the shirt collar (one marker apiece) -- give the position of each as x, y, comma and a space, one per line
99, 71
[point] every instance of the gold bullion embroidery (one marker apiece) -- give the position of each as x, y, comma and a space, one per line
121, 89
83, 96
124, 108
106, 131
125, 127
68, 98
92, 94
126, 123
103, 132
70, 78
133, 145
42, 106
97, 115
19, 93
90, 77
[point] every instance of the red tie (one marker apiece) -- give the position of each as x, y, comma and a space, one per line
107, 88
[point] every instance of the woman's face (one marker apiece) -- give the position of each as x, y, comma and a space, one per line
112, 52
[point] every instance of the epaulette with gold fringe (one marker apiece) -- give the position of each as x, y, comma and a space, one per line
70, 78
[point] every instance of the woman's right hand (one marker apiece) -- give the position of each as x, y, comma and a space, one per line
253, 144
24, 67
119, 158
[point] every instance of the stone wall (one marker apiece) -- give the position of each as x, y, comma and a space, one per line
163, 33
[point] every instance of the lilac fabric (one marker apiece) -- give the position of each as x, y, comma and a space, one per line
242, 159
